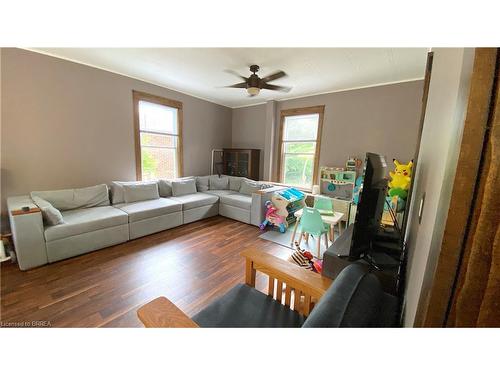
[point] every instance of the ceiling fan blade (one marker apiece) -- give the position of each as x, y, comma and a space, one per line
236, 74
242, 85
275, 75
276, 87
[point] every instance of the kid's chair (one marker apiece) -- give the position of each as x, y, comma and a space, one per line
323, 205
311, 223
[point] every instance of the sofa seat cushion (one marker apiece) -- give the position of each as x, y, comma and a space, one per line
244, 306
85, 220
220, 193
138, 211
196, 200
238, 200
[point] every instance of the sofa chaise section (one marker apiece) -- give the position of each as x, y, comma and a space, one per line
151, 216
236, 206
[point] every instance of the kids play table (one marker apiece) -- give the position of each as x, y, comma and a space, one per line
332, 220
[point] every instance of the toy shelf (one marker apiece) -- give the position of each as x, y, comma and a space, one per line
296, 201
292, 208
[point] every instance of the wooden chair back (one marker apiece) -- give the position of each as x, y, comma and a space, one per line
292, 286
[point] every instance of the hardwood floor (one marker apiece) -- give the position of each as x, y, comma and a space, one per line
191, 265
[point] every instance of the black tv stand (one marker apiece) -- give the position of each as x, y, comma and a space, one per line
384, 259
371, 262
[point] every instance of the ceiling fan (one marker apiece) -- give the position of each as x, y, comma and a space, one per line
254, 83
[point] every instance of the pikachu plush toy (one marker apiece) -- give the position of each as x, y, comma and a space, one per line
400, 179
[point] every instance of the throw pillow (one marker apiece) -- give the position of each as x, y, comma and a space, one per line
235, 183
116, 188
165, 186
117, 192
248, 187
140, 192
50, 214
219, 183
183, 187
202, 183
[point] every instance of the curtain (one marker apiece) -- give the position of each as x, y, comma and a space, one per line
476, 301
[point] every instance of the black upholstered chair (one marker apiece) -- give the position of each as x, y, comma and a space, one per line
295, 298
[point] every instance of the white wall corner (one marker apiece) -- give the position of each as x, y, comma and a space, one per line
268, 154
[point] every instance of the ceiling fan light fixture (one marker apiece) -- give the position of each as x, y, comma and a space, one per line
254, 83
253, 91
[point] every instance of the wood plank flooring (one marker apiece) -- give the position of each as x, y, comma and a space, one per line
191, 265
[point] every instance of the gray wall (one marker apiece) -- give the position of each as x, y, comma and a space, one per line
435, 170
381, 119
249, 129
68, 125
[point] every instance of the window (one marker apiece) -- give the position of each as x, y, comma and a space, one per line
158, 137
299, 144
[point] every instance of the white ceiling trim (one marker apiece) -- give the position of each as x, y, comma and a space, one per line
334, 91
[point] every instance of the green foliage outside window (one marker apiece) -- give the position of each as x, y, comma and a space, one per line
149, 164
299, 170
299, 163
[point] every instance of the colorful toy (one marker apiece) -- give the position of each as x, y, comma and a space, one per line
337, 182
400, 179
276, 214
398, 192
305, 259
357, 189
339, 175
350, 164
290, 200
291, 194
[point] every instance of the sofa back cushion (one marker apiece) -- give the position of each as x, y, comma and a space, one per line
140, 192
219, 183
165, 185
50, 214
248, 187
355, 299
202, 183
235, 183
183, 187
165, 188
117, 192
70, 199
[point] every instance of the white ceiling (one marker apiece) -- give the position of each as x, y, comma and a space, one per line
200, 71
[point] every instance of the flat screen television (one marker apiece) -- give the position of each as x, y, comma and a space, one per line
370, 205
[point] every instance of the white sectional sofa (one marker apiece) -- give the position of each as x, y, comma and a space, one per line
76, 221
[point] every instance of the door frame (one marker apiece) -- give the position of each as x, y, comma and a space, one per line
434, 306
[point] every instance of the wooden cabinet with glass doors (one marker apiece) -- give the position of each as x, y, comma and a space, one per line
241, 162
